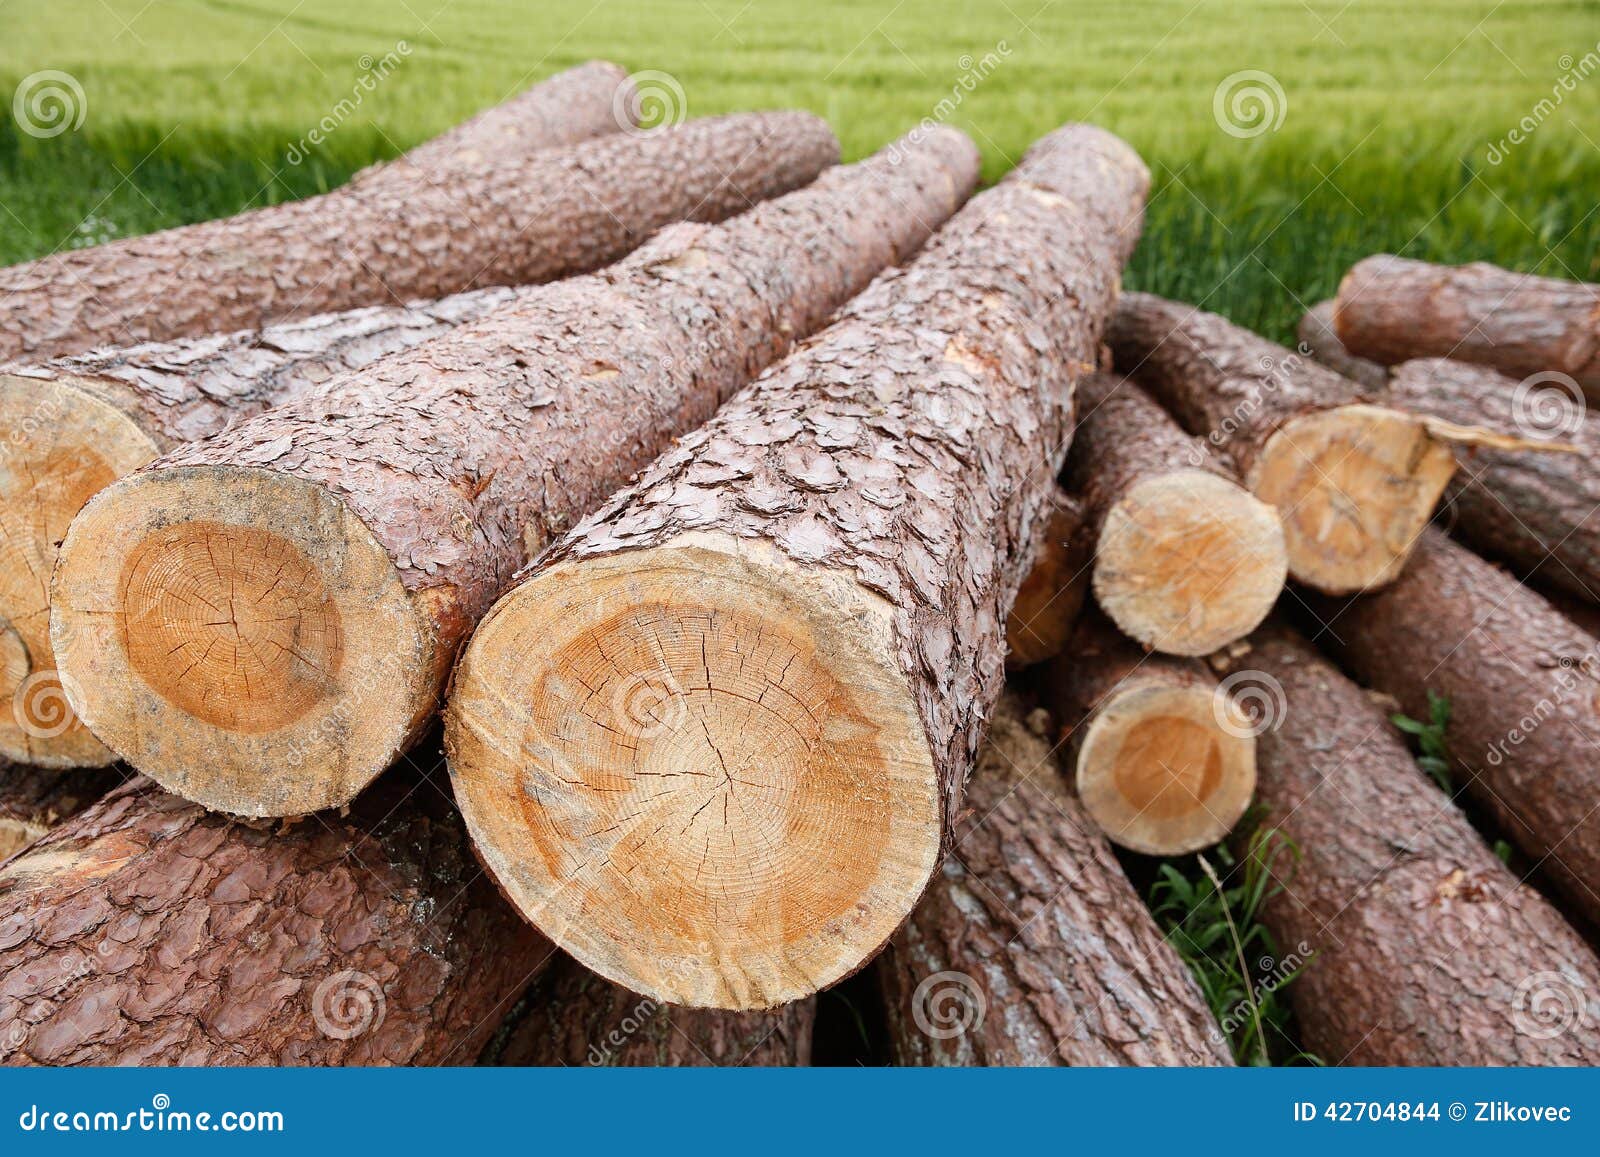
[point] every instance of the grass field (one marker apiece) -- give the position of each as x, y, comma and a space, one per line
1388, 110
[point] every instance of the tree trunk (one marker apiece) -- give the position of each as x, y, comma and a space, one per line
1533, 510
1317, 338
1031, 947
1051, 597
1185, 559
762, 671
1422, 948
34, 800
1391, 309
1162, 759
469, 212
573, 1017
287, 597
1524, 688
149, 931
1355, 483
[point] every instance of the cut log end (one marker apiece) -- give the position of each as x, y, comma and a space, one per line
719, 793
1166, 769
1188, 562
215, 621
62, 445
1355, 485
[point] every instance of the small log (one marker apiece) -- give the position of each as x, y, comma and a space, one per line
1162, 758
1524, 688
34, 800
287, 597
1392, 309
1031, 947
1050, 598
1418, 946
1185, 559
1317, 338
748, 690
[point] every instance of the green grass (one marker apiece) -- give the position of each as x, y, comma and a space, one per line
1391, 107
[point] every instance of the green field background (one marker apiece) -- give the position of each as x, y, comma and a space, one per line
1389, 112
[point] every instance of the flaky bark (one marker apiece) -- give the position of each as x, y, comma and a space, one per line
1418, 946
1524, 688
1031, 947
149, 931
1051, 597
34, 800
358, 534
1392, 309
573, 1017
482, 206
1535, 511
1317, 338
815, 584
1185, 559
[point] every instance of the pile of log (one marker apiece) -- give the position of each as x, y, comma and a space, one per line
815, 570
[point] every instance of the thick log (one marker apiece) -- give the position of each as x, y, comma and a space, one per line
287, 597
573, 1017
1318, 338
762, 671
1392, 309
149, 931
1418, 946
1031, 947
469, 212
34, 800
1050, 598
1534, 511
1185, 559
1163, 758
1524, 688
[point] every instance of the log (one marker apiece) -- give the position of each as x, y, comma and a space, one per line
1050, 598
573, 1017
1392, 309
1418, 946
34, 800
468, 212
1354, 482
286, 599
1320, 341
762, 671
1532, 510
1031, 946
1185, 559
1524, 702
1163, 759
148, 931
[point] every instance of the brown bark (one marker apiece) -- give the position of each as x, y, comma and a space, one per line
573, 1017
808, 596
1535, 511
33, 800
1524, 702
1162, 759
407, 230
356, 535
149, 931
1579, 610
1051, 597
1392, 309
1031, 947
1318, 338
1185, 559
1421, 948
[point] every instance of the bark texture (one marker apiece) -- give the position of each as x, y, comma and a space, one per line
1051, 597
1031, 947
1535, 511
148, 931
1318, 338
1392, 309
33, 800
1422, 948
1524, 689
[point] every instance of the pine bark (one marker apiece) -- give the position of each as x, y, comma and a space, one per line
1524, 702
1392, 309
34, 800
1051, 597
1319, 339
1031, 947
840, 547
1533, 510
149, 931
1422, 948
